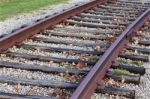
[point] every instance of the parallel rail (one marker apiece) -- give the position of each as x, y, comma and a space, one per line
107, 58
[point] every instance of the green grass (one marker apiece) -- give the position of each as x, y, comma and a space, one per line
131, 62
93, 58
10, 8
120, 72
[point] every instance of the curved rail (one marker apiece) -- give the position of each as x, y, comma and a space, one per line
94, 77
96, 74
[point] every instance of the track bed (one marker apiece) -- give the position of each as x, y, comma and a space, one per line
56, 61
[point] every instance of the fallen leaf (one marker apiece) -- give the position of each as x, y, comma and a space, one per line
53, 92
111, 82
97, 48
18, 87
80, 65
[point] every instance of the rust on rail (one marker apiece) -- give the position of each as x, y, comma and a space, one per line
95, 76
93, 79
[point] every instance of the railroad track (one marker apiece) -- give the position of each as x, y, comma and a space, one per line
90, 48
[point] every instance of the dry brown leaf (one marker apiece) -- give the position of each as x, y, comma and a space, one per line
70, 52
80, 65
73, 78
50, 62
3, 55
53, 92
110, 40
18, 87
97, 48
111, 82
62, 94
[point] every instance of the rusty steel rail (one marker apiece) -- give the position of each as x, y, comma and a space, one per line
95, 76
23, 33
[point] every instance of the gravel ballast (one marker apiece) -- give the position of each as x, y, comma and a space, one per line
142, 90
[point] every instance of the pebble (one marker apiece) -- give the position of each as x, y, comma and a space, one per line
142, 91
25, 74
31, 90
